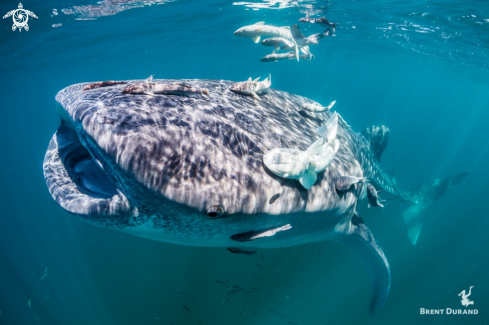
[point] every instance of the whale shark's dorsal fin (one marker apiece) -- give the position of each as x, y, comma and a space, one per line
356, 235
249, 79
273, 52
259, 23
149, 79
256, 79
378, 137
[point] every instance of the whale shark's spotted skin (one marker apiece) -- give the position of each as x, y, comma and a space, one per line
202, 152
166, 161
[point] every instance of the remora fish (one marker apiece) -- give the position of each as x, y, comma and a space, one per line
274, 57
303, 41
320, 21
260, 29
99, 84
277, 42
251, 87
151, 88
314, 107
194, 174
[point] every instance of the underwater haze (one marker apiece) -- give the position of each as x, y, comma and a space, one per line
419, 67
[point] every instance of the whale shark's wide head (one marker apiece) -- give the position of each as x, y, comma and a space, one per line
190, 170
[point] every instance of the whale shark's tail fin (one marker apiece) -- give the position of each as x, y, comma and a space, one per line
423, 197
356, 235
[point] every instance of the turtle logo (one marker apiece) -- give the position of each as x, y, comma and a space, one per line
20, 17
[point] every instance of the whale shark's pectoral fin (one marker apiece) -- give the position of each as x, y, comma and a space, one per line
358, 237
256, 39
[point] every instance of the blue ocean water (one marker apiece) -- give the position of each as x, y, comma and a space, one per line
418, 67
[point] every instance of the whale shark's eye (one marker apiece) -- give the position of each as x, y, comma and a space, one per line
215, 211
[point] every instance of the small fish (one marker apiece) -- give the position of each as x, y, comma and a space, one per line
234, 291
43, 276
277, 42
177, 88
313, 107
274, 57
157, 317
238, 287
303, 41
263, 258
293, 323
246, 299
255, 234
236, 250
220, 282
243, 312
47, 297
343, 183
140, 88
99, 84
260, 266
286, 282
148, 87
187, 308
29, 302
182, 293
251, 87
373, 197
46, 270
320, 21
229, 301
287, 297
271, 232
252, 290
260, 29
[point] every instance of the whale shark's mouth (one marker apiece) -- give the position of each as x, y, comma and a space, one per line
79, 183
88, 174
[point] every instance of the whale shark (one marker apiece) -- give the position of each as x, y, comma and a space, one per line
189, 170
